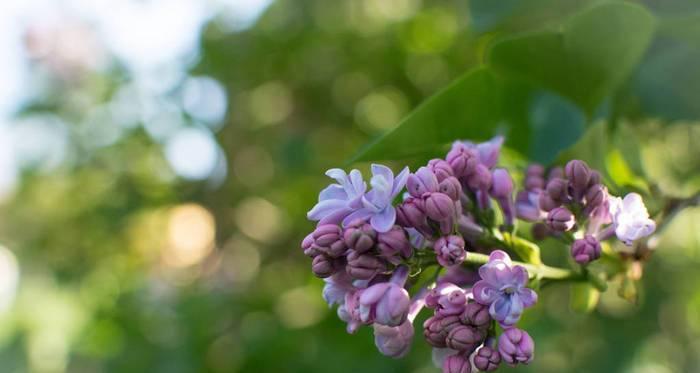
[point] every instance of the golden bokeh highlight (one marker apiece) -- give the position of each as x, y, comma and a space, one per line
190, 235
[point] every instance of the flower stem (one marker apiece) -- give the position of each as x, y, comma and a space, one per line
545, 272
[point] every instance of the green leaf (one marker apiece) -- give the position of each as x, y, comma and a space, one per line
585, 59
584, 298
467, 108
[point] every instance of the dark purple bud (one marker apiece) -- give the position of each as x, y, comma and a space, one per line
465, 338
326, 234
560, 219
364, 266
434, 332
441, 169
421, 182
411, 213
394, 242
578, 174
439, 206
516, 347
595, 196
480, 179
487, 359
456, 364
334, 250
452, 187
476, 315
450, 250
360, 236
547, 203
463, 160
323, 266
557, 189
585, 250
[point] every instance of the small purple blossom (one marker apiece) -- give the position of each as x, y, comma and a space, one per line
339, 200
503, 288
488, 152
394, 341
421, 182
487, 359
377, 203
450, 250
630, 218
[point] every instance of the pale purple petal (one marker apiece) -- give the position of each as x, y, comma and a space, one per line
485, 293
333, 191
361, 214
383, 171
400, 182
500, 255
500, 309
384, 221
520, 275
325, 207
372, 294
528, 297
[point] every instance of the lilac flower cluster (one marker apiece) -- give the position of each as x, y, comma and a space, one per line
371, 249
574, 199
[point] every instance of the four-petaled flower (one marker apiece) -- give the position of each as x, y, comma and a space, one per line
339, 200
502, 288
377, 203
630, 218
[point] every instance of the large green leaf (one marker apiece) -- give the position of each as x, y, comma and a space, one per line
586, 58
468, 108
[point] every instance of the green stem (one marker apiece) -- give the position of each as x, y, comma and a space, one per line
545, 272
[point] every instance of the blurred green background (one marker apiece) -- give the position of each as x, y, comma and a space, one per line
158, 157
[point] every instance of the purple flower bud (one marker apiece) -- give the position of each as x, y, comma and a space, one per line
489, 151
480, 179
436, 329
394, 341
452, 187
450, 250
364, 266
487, 359
547, 203
386, 303
465, 338
323, 266
432, 299
502, 186
456, 364
502, 191
452, 303
476, 315
310, 249
534, 182
360, 236
394, 242
441, 169
557, 189
578, 174
516, 346
421, 182
439, 206
411, 213
326, 234
585, 250
560, 219
595, 196
462, 159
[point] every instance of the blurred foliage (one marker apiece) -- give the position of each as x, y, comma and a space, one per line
127, 267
